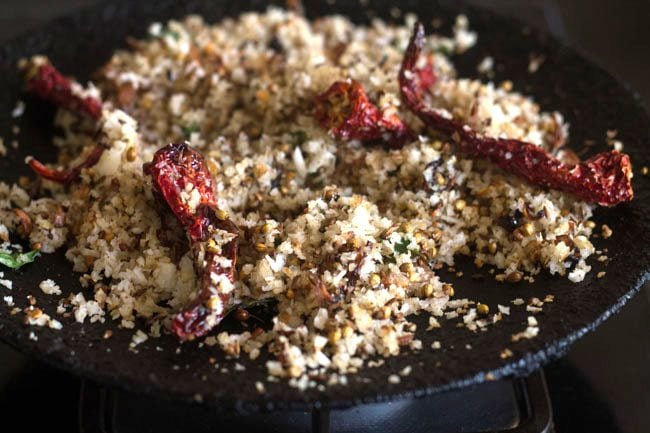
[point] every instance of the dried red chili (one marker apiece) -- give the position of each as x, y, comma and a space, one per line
178, 173
345, 110
604, 178
69, 175
46, 82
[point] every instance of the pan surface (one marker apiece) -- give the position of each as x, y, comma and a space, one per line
591, 100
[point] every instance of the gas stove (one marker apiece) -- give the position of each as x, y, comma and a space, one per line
72, 404
601, 386
518, 405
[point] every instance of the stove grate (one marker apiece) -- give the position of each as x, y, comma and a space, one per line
513, 406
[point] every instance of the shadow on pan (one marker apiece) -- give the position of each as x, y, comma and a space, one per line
590, 99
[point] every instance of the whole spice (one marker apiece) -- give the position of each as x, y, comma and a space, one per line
68, 175
345, 110
46, 82
514, 277
214, 239
604, 178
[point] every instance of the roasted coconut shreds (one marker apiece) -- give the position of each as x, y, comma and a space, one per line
182, 179
47, 83
604, 178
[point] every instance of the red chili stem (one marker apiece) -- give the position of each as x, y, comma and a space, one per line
69, 175
46, 82
177, 173
604, 178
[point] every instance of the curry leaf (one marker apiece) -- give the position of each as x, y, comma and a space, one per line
247, 304
389, 259
16, 260
190, 129
299, 137
445, 50
172, 33
402, 246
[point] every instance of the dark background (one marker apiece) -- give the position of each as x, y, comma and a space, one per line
603, 385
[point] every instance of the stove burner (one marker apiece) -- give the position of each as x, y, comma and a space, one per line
514, 406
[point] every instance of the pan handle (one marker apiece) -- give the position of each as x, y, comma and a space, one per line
320, 420
536, 402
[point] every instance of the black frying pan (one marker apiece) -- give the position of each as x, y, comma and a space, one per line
590, 98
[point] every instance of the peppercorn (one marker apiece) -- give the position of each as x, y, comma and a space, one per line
211, 245
334, 335
511, 222
213, 302
517, 235
131, 154
528, 229
514, 277
242, 315
427, 290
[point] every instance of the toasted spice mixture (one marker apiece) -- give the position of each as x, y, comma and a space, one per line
344, 231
